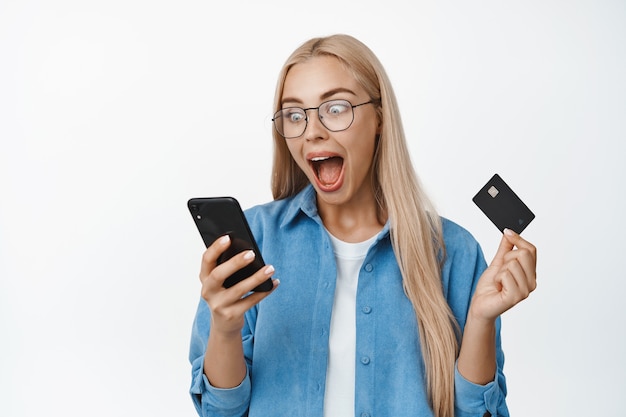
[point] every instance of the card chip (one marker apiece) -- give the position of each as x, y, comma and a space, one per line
493, 191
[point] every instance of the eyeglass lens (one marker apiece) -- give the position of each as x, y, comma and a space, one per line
335, 115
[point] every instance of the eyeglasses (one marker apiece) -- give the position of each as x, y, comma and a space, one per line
335, 115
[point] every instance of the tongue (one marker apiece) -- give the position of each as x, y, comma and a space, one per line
328, 171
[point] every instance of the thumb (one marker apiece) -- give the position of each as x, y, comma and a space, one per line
505, 247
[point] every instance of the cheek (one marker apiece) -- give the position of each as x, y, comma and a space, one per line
367, 144
367, 155
296, 154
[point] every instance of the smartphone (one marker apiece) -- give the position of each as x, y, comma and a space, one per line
502, 206
218, 216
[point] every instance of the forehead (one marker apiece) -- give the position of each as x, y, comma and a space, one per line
310, 81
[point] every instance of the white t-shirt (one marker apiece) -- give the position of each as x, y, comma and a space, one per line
340, 376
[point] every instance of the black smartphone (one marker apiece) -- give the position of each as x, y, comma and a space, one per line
218, 216
502, 206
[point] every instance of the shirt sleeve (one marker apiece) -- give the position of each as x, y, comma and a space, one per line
208, 400
474, 400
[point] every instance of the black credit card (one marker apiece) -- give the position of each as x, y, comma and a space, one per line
502, 206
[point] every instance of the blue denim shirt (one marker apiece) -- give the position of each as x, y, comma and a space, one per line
285, 337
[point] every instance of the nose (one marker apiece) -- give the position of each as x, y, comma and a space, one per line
314, 127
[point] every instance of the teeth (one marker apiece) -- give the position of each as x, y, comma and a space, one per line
320, 158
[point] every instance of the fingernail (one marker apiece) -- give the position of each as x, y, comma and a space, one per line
249, 255
269, 270
509, 232
224, 239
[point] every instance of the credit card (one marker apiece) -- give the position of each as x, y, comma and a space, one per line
502, 206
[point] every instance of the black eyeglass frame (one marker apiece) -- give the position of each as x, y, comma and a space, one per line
306, 115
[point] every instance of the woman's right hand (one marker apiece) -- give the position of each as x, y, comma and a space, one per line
228, 305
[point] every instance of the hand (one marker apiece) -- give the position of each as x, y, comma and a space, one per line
509, 279
228, 305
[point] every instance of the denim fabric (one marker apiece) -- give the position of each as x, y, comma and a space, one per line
286, 336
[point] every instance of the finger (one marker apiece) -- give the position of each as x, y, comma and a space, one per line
223, 271
246, 303
527, 261
511, 291
505, 247
526, 252
516, 271
235, 304
246, 286
212, 253
519, 242
508, 289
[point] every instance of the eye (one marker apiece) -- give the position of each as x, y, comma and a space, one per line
294, 115
336, 108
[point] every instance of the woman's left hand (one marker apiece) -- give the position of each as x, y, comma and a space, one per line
509, 279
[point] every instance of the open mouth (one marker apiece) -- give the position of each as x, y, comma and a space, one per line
327, 169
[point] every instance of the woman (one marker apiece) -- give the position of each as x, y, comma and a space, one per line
384, 308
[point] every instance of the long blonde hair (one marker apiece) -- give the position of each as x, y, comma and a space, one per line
416, 232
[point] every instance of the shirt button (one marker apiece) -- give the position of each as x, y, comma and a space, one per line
367, 309
365, 360
369, 267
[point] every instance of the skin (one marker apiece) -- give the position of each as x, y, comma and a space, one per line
509, 279
224, 363
348, 211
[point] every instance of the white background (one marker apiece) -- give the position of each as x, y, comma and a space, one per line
114, 113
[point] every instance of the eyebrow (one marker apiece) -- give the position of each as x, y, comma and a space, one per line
323, 97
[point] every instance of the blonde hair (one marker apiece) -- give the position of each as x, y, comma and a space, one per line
416, 231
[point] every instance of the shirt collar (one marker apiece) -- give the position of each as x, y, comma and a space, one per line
306, 202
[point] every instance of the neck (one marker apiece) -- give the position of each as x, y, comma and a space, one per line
351, 222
